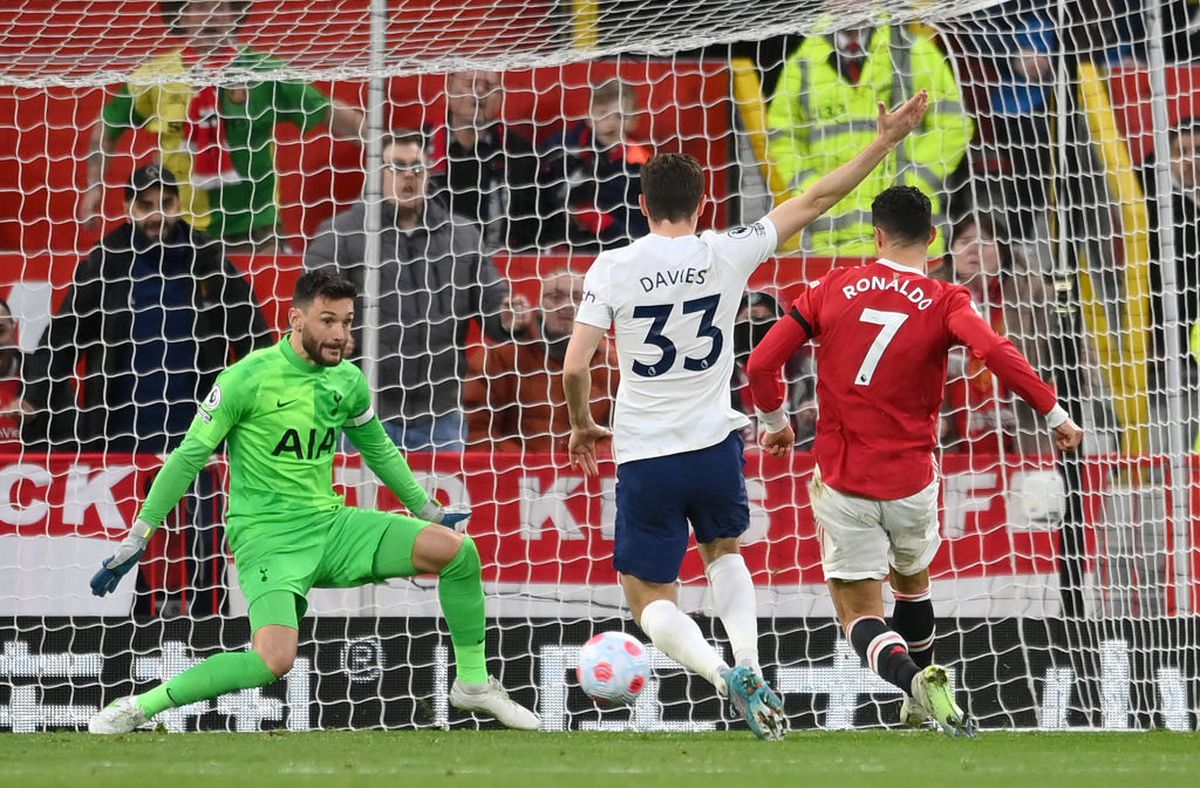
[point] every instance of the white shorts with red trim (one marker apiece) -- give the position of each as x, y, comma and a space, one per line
863, 539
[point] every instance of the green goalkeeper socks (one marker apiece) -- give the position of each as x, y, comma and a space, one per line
460, 590
217, 675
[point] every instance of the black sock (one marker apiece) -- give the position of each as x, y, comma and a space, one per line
912, 619
884, 651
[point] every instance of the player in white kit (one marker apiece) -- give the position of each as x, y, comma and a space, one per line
673, 297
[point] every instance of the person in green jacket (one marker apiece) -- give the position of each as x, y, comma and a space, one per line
281, 410
217, 136
824, 111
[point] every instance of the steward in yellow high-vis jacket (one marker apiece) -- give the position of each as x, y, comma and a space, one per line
824, 111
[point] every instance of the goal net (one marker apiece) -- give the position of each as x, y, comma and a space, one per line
169, 169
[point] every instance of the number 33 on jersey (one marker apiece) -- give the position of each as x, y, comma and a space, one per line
673, 302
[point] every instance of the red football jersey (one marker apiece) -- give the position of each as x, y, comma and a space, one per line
883, 332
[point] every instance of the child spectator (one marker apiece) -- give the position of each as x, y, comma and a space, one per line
591, 176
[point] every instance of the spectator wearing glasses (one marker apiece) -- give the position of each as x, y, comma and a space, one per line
434, 282
514, 398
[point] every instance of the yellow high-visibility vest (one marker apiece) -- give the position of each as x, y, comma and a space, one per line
819, 121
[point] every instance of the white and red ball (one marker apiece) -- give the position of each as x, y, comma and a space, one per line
613, 668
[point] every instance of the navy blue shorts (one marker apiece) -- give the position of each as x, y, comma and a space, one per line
659, 496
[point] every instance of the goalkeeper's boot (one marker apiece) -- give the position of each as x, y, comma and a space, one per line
912, 715
932, 691
121, 716
491, 700
756, 702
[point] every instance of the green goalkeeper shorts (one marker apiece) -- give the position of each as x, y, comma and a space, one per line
333, 550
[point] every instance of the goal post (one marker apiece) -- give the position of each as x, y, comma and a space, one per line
1064, 166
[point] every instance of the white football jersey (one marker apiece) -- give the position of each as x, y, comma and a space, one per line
673, 302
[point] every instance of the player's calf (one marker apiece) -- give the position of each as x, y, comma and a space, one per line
912, 617
884, 651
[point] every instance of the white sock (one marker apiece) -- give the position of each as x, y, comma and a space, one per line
737, 607
678, 636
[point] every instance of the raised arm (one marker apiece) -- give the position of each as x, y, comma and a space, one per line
1013, 369
798, 212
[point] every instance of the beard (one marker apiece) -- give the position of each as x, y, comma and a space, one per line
556, 343
313, 348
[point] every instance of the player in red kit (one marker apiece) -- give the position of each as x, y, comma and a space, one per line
883, 332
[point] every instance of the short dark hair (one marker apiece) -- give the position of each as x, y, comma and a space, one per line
324, 282
172, 12
673, 184
903, 212
403, 137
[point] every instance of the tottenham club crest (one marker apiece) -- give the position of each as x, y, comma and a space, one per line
213, 399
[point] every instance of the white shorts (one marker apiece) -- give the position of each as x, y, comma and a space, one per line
862, 538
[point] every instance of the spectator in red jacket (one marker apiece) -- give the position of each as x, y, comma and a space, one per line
591, 177
514, 396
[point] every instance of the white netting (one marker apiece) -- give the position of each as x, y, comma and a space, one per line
96, 42
1064, 594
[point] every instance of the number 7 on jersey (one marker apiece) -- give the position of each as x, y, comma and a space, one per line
890, 322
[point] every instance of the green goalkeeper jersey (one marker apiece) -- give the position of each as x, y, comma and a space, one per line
281, 416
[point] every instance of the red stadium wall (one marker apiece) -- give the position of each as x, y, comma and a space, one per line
1130, 89
570, 542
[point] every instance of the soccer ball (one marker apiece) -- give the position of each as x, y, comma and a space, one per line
613, 668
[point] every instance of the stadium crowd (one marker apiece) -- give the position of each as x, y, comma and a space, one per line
157, 308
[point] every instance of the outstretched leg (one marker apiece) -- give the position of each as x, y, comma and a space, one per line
410, 547
672, 631
859, 605
271, 656
675, 634
860, 609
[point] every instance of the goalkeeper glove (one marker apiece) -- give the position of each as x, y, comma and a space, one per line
113, 568
449, 516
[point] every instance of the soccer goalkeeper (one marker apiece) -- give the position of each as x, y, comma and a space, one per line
281, 410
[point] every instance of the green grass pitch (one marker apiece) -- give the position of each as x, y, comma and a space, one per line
497, 759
